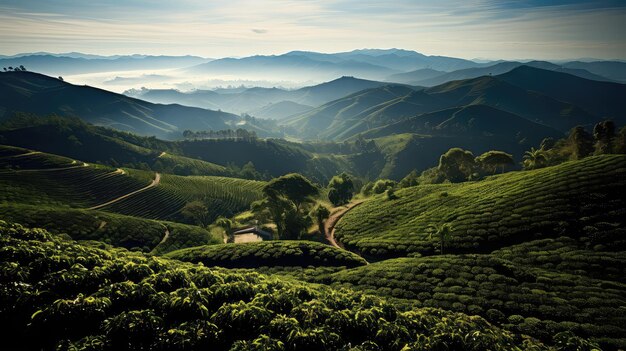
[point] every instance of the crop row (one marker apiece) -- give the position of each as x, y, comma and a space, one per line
268, 254
492, 213
63, 295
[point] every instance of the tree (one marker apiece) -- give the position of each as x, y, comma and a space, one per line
295, 187
284, 203
382, 185
457, 165
197, 212
227, 225
535, 158
581, 143
22, 68
604, 134
341, 189
620, 141
491, 160
61, 78
411, 179
321, 213
442, 231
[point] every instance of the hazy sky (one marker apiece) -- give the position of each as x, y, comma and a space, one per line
506, 29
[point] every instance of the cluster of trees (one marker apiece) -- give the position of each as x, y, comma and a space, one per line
14, 69
241, 134
605, 139
340, 189
58, 294
287, 203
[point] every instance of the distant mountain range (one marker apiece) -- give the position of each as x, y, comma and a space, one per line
252, 100
75, 63
555, 100
427, 77
39, 94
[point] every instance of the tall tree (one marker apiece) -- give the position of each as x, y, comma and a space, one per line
321, 213
535, 158
285, 203
491, 160
581, 143
457, 165
340, 189
604, 134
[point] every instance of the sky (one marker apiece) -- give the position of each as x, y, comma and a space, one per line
489, 29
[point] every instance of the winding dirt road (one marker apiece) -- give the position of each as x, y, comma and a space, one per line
331, 222
155, 182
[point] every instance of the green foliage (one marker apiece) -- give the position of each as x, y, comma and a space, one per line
340, 189
604, 134
457, 165
320, 213
382, 185
495, 212
59, 294
114, 229
285, 203
197, 212
491, 160
269, 253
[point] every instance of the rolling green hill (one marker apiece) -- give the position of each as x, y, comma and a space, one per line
223, 197
79, 140
65, 295
603, 99
117, 230
269, 254
540, 302
36, 93
68, 183
496, 212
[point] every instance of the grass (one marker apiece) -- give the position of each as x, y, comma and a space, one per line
493, 213
268, 254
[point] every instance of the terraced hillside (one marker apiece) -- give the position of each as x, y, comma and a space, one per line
64, 295
540, 299
118, 230
223, 197
577, 197
268, 254
44, 179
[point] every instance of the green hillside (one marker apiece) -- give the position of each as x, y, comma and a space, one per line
268, 254
36, 93
68, 296
222, 196
529, 299
496, 212
48, 180
117, 230
74, 138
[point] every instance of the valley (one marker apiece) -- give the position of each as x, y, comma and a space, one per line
399, 202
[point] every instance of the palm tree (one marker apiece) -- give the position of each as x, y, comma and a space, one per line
535, 158
443, 231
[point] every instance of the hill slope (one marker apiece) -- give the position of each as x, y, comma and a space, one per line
496, 212
35, 93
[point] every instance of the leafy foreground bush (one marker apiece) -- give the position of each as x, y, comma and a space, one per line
56, 293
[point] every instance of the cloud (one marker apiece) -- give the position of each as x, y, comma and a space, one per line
539, 29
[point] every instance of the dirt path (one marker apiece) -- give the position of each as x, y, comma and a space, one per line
155, 182
162, 154
84, 164
331, 222
166, 236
